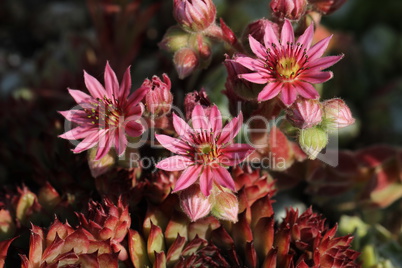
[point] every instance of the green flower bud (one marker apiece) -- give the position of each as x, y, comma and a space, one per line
312, 141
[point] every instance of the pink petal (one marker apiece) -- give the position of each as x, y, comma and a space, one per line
137, 95
257, 78
76, 116
89, 142
307, 90
188, 177
307, 37
94, 87
80, 96
287, 34
175, 163
250, 63
231, 129
258, 49
105, 142
120, 141
125, 85
222, 177
319, 48
235, 154
316, 77
174, 145
135, 110
215, 119
76, 133
288, 94
111, 83
270, 38
199, 119
269, 91
206, 181
323, 63
181, 127
134, 129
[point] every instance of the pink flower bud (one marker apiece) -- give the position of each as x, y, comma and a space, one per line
257, 30
288, 9
326, 6
194, 203
158, 100
196, 98
194, 15
304, 113
226, 206
186, 61
336, 114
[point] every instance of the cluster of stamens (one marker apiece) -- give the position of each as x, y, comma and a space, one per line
286, 63
205, 150
104, 113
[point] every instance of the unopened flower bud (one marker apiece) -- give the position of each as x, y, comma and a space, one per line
312, 141
101, 166
257, 30
326, 6
195, 98
194, 203
194, 15
336, 115
185, 61
304, 113
174, 39
226, 206
288, 9
158, 100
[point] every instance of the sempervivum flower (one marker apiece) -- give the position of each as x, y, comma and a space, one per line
62, 246
204, 150
108, 114
286, 66
108, 221
158, 100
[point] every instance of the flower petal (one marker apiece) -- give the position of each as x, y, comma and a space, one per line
174, 145
76, 133
215, 119
206, 181
111, 83
307, 37
199, 119
137, 96
125, 85
316, 77
174, 163
269, 91
323, 63
105, 142
231, 129
93, 86
258, 49
250, 63
222, 177
134, 129
181, 127
120, 141
80, 96
76, 116
235, 154
319, 48
188, 177
89, 142
307, 90
287, 34
257, 78
270, 38
288, 94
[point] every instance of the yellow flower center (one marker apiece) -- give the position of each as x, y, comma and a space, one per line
207, 153
287, 68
